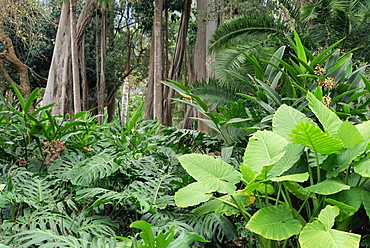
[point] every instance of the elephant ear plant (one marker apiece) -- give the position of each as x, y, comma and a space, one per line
307, 179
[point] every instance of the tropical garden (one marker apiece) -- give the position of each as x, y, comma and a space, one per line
179, 123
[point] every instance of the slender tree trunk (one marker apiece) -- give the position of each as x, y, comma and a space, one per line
84, 85
125, 97
103, 57
149, 91
158, 60
178, 57
74, 52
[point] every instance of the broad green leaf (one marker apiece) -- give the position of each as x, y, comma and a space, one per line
192, 194
349, 134
365, 197
297, 190
302, 177
329, 120
247, 173
274, 222
364, 129
264, 148
319, 235
313, 138
286, 118
340, 162
221, 205
340, 205
184, 240
146, 234
292, 155
214, 173
351, 197
164, 239
362, 167
327, 187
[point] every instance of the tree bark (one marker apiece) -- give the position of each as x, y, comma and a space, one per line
10, 56
158, 60
177, 61
103, 59
58, 89
74, 51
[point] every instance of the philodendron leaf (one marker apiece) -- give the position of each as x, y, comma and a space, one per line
264, 148
286, 118
225, 205
365, 197
274, 222
192, 194
328, 118
362, 167
319, 234
313, 138
292, 155
146, 234
213, 173
364, 129
302, 177
350, 135
327, 187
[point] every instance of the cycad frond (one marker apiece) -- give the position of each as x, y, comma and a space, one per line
256, 24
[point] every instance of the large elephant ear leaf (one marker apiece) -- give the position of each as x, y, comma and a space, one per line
313, 138
192, 194
350, 135
274, 222
214, 173
319, 234
264, 148
364, 129
286, 118
329, 120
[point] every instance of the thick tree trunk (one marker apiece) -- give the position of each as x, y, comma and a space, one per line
178, 57
103, 57
10, 56
58, 89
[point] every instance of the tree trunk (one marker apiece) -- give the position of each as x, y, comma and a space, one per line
84, 85
103, 57
10, 56
74, 51
58, 89
178, 57
149, 91
158, 60
202, 61
125, 97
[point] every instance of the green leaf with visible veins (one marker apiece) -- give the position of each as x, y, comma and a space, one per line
313, 138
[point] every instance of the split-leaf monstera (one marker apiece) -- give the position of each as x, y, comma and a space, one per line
306, 181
